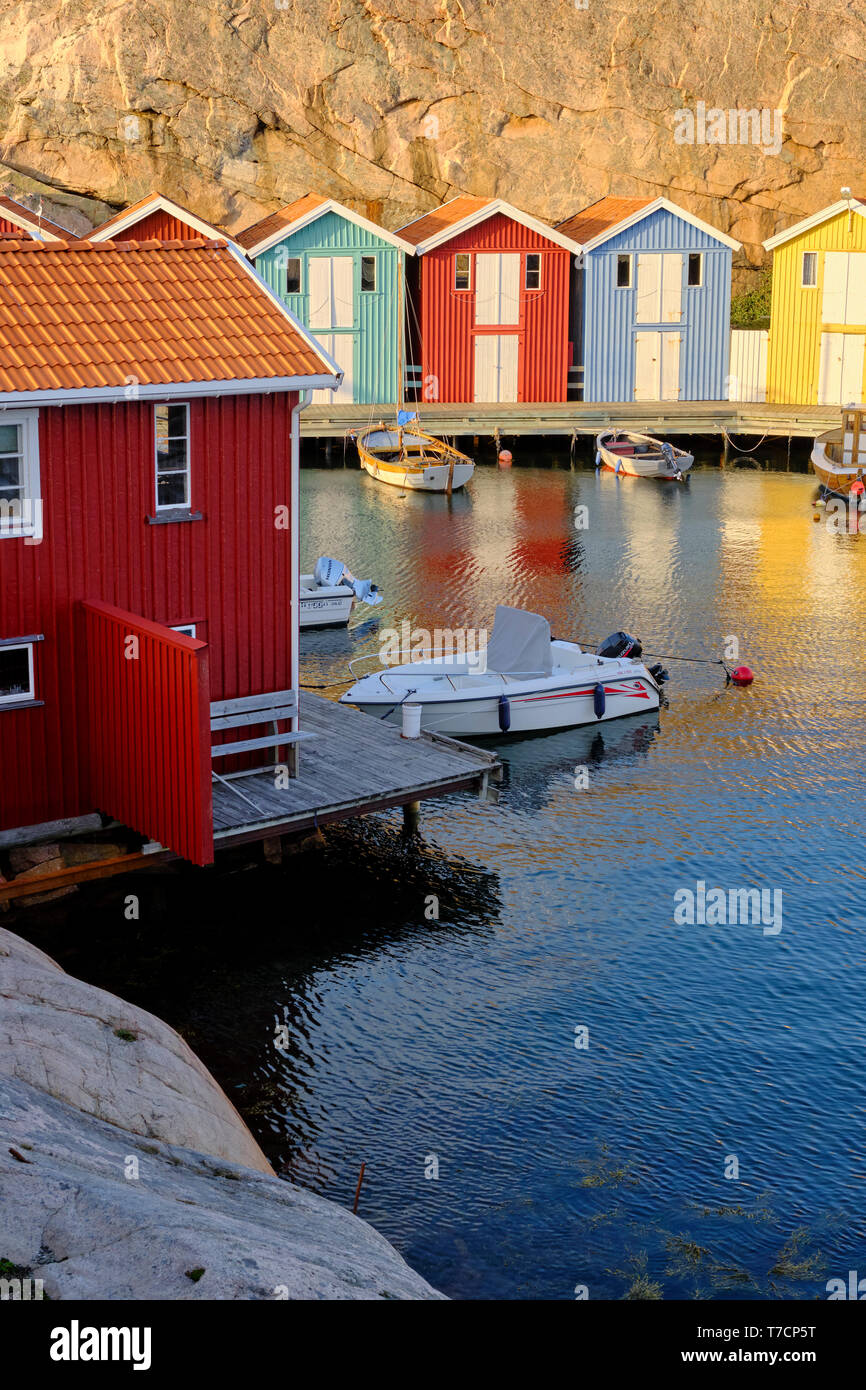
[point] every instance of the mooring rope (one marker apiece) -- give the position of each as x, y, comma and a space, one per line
737, 447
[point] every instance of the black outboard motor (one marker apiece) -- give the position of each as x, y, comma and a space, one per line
620, 644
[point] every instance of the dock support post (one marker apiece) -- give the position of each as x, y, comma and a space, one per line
788, 464
726, 449
411, 817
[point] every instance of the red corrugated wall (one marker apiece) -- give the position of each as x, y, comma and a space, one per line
447, 315
145, 696
229, 573
158, 226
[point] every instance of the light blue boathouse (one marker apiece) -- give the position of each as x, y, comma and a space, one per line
344, 278
650, 303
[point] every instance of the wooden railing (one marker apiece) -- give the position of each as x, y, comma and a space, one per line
146, 703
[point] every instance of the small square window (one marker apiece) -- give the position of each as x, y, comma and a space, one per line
368, 273
623, 272
533, 270
810, 269
293, 275
16, 674
696, 268
462, 262
172, 456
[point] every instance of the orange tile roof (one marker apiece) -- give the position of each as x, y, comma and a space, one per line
600, 217
275, 221
77, 315
145, 207
32, 219
440, 219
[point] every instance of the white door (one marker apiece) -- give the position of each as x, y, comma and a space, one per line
672, 289
844, 297
657, 366
497, 288
670, 374
340, 347
649, 289
841, 377
647, 357
331, 280
496, 359
855, 299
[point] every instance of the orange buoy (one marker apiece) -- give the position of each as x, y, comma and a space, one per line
504, 458
743, 675
817, 516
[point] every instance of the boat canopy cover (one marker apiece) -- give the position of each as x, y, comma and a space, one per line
519, 643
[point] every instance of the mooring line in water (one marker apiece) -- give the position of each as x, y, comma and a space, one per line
358, 1189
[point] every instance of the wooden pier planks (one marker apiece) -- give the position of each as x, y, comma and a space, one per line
354, 764
583, 418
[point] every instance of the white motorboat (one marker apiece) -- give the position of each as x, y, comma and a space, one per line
522, 682
642, 456
327, 596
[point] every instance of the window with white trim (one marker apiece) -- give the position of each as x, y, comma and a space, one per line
810, 270
20, 496
187, 629
462, 270
623, 272
172, 457
17, 680
368, 274
533, 270
293, 275
695, 272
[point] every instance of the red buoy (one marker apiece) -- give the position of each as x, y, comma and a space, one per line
743, 675
505, 458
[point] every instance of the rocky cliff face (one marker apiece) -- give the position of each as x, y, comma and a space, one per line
234, 106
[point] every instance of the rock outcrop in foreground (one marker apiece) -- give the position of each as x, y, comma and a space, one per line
125, 1173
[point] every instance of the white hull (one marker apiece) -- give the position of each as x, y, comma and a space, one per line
463, 704
324, 605
432, 478
649, 465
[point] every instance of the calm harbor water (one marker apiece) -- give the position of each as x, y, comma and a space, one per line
415, 1043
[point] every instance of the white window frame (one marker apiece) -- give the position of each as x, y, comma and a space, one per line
375, 259
29, 523
699, 283
185, 629
463, 289
169, 507
804, 283
535, 288
625, 256
20, 698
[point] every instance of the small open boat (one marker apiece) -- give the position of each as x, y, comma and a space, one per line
328, 595
642, 456
410, 458
839, 456
522, 682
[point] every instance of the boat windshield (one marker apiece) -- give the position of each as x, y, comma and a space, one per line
519, 644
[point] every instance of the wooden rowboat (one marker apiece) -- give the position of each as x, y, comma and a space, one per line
839, 456
642, 456
412, 459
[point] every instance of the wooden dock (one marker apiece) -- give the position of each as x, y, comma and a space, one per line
355, 764
584, 418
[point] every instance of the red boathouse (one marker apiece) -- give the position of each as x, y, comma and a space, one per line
149, 398
155, 217
488, 303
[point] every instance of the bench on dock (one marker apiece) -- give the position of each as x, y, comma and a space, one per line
251, 710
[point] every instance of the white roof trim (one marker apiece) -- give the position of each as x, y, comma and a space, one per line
807, 223
496, 205
287, 314
40, 233
157, 204
330, 205
661, 205
173, 390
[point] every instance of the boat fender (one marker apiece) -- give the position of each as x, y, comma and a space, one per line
598, 700
598, 458
504, 713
